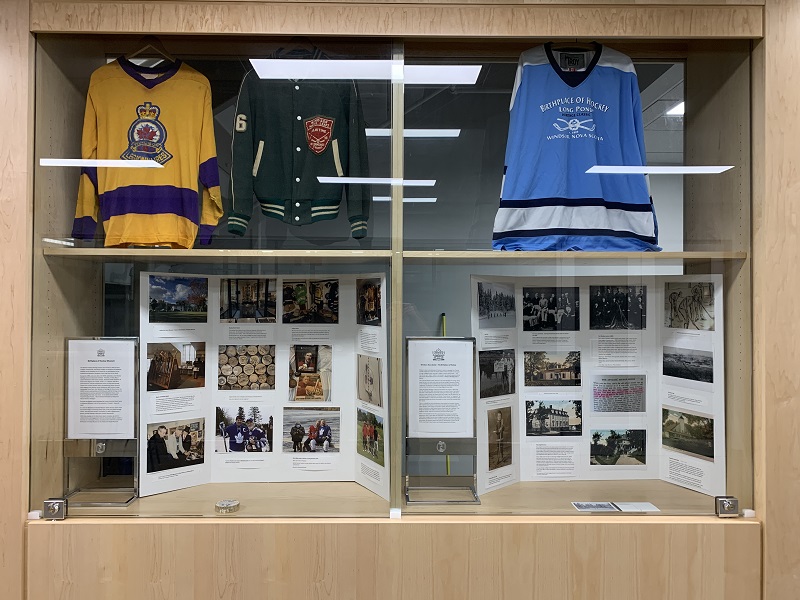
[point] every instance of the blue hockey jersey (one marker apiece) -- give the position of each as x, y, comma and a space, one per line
569, 112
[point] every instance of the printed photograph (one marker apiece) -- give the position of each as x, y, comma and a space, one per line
550, 309
310, 373
500, 449
175, 444
689, 305
620, 448
595, 507
248, 300
618, 307
553, 418
695, 365
176, 366
243, 429
371, 427
496, 306
370, 379
497, 372
246, 367
312, 429
553, 368
687, 433
178, 299
311, 301
368, 296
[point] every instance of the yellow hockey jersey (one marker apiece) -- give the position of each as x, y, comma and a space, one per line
160, 113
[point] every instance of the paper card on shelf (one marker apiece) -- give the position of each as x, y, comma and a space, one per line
595, 506
636, 507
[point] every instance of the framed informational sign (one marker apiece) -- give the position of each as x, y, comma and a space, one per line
101, 388
441, 387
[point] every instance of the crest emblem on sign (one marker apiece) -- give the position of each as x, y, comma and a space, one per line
441, 446
146, 136
318, 133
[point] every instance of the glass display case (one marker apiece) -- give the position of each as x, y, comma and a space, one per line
358, 188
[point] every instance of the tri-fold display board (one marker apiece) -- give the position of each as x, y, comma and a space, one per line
262, 378
600, 378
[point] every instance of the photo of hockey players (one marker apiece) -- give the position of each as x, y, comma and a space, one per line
243, 429
687, 433
312, 429
618, 307
550, 309
626, 447
176, 366
370, 379
248, 300
311, 301
689, 305
369, 427
500, 449
246, 367
694, 365
368, 296
497, 372
496, 305
175, 444
553, 418
552, 368
310, 373
178, 299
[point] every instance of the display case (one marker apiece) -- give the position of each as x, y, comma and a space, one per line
648, 408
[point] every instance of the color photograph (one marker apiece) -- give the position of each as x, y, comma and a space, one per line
370, 379
553, 418
496, 305
178, 299
246, 367
311, 301
243, 429
694, 365
310, 373
618, 447
369, 430
617, 307
312, 429
368, 296
497, 372
175, 444
689, 305
550, 309
687, 433
500, 450
552, 368
248, 301
176, 366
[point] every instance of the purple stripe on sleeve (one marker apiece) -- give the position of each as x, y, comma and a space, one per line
205, 233
83, 228
209, 173
150, 200
91, 173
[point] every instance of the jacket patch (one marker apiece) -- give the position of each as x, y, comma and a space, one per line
146, 136
318, 133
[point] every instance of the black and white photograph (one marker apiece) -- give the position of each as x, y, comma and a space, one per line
500, 449
369, 427
595, 507
694, 365
246, 367
553, 418
310, 373
175, 444
370, 379
178, 299
550, 309
497, 372
248, 300
553, 368
689, 305
311, 429
687, 433
617, 307
496, 305
176, 366
243, 429
368, 296
311, 301
618, 447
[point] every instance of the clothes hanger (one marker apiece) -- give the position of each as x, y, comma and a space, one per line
151, 43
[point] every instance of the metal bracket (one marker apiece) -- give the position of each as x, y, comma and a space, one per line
726, 507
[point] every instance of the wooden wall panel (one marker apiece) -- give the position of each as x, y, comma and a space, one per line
546, 2
399, 20
16, 145
474, 558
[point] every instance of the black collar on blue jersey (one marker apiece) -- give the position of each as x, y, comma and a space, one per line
573, 78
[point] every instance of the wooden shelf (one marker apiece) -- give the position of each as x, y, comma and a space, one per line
214, 256
490, 256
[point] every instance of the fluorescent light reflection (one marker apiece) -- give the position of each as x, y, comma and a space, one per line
383, 70
677, 110
379, 181
59, 242
93, 162
623, 170
416, 133
389, 199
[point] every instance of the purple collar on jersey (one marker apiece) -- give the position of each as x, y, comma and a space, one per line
166, 70
573, 78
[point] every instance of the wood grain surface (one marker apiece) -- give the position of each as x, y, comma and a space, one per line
438, 20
